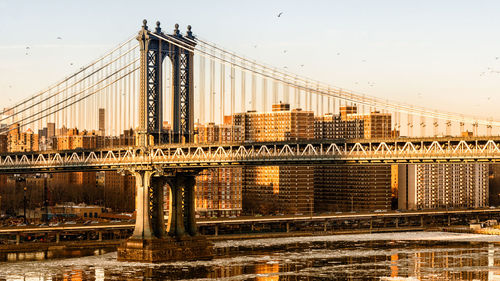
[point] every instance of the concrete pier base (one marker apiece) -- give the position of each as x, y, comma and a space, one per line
166, 249
152, 240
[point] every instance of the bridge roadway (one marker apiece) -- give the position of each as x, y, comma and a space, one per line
196, 156
257, 220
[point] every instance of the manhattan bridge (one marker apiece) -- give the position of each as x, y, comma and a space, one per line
158, 77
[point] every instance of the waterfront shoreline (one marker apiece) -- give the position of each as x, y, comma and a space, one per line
71, 249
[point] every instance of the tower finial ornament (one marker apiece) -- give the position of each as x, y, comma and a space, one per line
158, 28
144, 24
176, 30
189, 32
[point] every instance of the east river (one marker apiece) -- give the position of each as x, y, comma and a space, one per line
388, 256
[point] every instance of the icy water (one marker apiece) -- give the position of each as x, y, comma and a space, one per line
390, 256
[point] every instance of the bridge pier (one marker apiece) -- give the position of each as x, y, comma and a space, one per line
151, 241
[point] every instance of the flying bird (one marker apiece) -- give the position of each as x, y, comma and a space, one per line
59, 38
70, 63
27, 48
279, 15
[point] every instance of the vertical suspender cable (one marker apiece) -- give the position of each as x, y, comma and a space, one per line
286, 91
275, 89
201, 87
222, 89
244, 88
233, 88
296, 93
254, 89
212, 85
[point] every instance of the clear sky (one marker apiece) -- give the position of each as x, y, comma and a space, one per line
438, 54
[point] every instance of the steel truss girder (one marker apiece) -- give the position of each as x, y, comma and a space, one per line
192, 156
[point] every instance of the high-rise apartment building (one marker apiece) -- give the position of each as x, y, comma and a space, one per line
377, 125
208, 133
278, 189
350, 125
347, 110
102, 122
342, 188
51, 130
20, 142
212, 133
118, 190
282, 124
3, 143
494, 185
330, 127
73, 139
432, 186
219, 192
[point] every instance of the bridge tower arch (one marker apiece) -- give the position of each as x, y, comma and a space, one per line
154, 48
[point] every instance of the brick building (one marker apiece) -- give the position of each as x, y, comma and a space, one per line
351, 125
278, 189
342, 188
219, 192
282, 124
21, 142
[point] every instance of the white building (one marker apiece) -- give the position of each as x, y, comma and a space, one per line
435, 186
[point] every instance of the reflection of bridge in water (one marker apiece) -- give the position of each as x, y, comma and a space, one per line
163, 157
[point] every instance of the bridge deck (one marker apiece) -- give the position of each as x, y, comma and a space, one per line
191, 156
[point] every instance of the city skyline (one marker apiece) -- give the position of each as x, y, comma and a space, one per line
351, 46
181, 141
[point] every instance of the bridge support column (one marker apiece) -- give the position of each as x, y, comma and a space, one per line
157, 201
142, 229
151, 240
190, 205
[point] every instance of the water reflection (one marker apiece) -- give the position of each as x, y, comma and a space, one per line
316, 260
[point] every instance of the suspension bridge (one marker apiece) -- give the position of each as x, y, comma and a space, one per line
135, 87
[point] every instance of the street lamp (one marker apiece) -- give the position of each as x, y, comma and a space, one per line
24, 205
